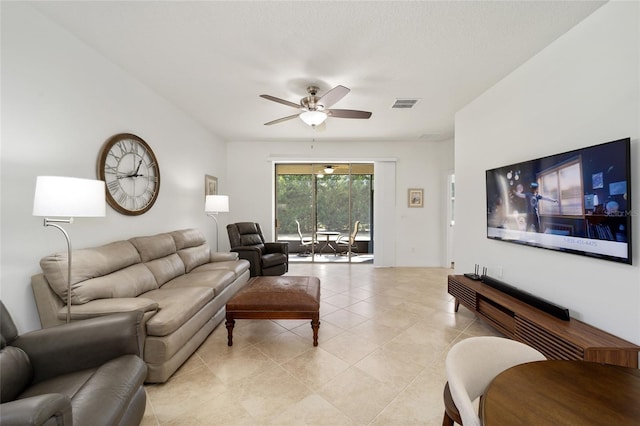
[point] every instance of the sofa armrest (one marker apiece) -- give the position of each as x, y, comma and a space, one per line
51, 408
82, 345
102, 307
223, 256
253, 254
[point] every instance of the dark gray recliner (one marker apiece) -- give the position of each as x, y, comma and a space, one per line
265, 258
83, 373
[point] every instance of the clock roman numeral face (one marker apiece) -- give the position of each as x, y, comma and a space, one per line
130, 169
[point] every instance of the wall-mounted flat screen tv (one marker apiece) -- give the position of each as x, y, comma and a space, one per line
576, 202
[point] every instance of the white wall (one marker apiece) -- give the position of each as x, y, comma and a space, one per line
420, 238
60, 102
581, 90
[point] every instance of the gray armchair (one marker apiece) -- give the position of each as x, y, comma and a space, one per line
83, 373
264, 258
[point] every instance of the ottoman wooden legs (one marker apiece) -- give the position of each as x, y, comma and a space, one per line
315, 325
273, 315
230, 323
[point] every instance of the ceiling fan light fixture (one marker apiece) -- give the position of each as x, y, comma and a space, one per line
328, 170
313, 118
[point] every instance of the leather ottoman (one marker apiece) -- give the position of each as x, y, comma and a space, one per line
281, 297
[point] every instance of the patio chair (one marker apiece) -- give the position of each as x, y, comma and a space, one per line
305, 242
348, 242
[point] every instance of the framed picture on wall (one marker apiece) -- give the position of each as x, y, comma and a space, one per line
210, 185
597, 181
416, 197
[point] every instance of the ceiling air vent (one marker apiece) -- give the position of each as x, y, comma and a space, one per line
404, 103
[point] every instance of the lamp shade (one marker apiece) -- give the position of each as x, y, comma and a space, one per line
313, 118
216, 204
59, 196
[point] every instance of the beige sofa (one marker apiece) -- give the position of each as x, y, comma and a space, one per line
180, 285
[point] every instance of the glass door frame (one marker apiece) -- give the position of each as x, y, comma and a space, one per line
316, 170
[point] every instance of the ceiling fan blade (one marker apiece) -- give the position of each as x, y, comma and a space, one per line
280, 101
348, 113
280, 120
333, 96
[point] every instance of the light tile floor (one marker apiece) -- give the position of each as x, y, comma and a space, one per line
383, 338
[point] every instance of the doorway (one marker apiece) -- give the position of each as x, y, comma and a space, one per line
325, 211
451, 221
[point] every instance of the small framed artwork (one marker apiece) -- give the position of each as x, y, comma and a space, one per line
597, 180
416, 196
210, 185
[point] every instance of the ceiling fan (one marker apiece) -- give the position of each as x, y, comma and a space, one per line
315, 109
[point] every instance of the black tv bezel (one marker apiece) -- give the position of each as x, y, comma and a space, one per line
628, 213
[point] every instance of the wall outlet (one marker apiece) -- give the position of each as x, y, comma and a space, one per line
499, 271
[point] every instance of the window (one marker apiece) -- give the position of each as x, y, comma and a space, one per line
563, 183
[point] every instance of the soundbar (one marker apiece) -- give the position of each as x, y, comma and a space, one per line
551, 308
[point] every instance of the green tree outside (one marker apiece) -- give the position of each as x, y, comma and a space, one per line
295, 202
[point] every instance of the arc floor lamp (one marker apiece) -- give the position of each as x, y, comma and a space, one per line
64, 198
213, 205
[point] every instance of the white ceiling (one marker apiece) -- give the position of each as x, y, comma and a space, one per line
213, 59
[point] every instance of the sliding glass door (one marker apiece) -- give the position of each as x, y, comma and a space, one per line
328, 203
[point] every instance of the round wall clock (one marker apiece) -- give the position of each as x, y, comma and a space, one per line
130, 170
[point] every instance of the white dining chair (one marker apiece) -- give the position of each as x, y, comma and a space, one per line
305, 242
471, 365
347, 243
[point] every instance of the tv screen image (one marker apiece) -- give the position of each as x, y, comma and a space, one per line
577, 202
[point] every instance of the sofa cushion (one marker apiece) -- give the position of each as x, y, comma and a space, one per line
186, 238
158, 349
238, 267
128, 282
66, 384
177, 306
16, 372
218, 280
166, 268
192, 257
154, 247
87, 264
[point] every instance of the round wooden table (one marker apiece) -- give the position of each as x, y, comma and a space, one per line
563, 393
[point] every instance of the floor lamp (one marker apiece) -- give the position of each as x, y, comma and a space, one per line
213, 205
65, 198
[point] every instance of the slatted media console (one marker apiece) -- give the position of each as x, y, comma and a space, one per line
555, 338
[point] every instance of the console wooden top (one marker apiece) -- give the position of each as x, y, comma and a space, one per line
555, 338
